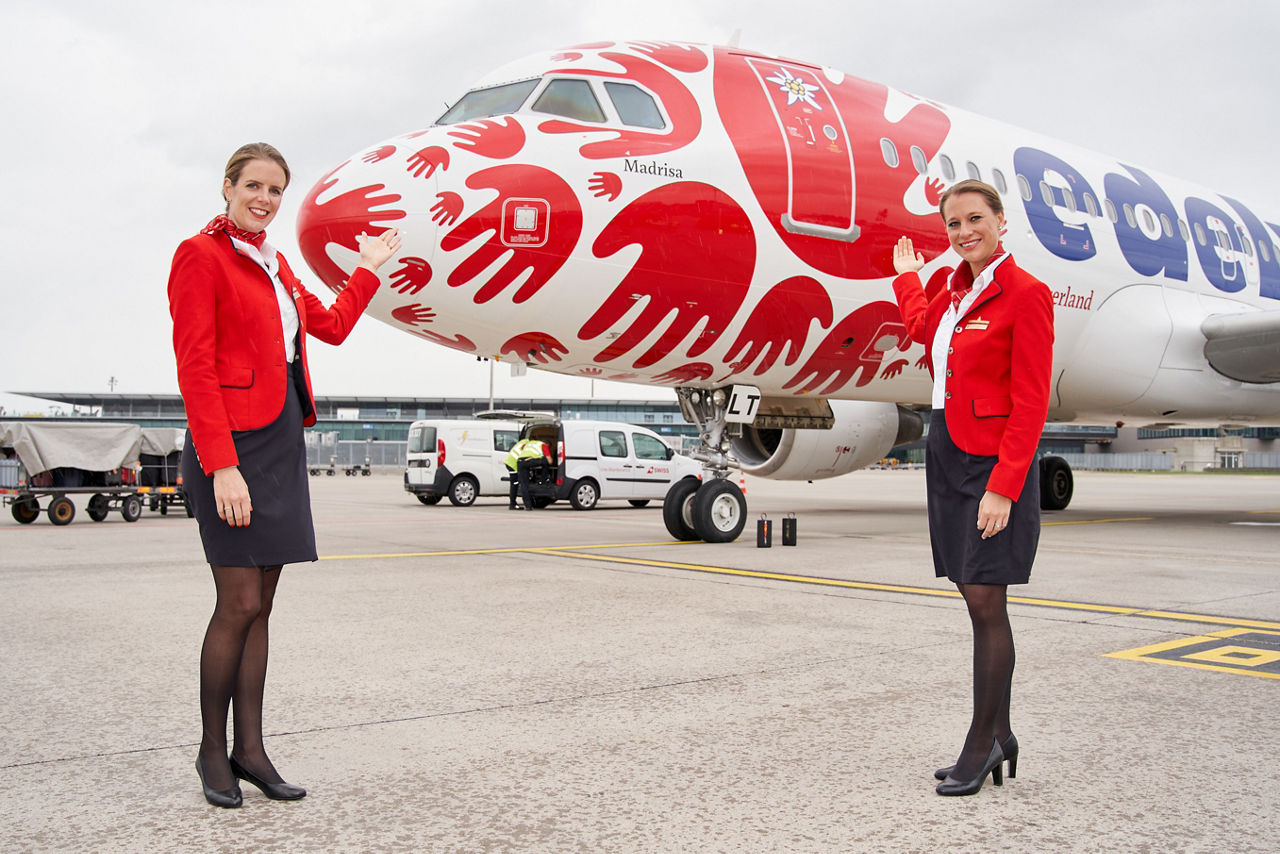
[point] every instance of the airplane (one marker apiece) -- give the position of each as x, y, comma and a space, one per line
721, 222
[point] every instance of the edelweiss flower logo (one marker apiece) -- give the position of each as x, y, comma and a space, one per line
795, 88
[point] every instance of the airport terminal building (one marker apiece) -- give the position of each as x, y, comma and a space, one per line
351, 430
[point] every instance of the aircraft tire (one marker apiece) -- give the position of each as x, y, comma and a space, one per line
1056, 483
677, 509
719, 511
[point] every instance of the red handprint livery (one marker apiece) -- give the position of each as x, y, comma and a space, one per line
341, 220
500, 222
497, 139
411, 276
812, 149
855, 345
534, 347
678, 270
781, 322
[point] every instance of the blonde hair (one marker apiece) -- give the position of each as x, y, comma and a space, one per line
971, 185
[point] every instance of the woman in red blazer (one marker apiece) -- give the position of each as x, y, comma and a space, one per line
989, 342
240, 321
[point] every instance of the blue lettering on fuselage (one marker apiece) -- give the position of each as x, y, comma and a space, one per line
1230, 260
1071, 241
1220, 247
1145, 254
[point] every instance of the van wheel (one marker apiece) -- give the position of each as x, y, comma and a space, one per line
719, 511
677, 509
638, 502
429, 499
463, 491
585, 495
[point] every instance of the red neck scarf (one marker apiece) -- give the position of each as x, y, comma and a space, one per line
962, 281
222, 222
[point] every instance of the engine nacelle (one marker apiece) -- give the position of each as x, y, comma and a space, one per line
863, 433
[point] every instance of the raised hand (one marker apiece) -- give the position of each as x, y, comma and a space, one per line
424, 163
905, 258
375, 251
413, 275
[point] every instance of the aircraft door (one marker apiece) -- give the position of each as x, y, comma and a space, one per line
820, 175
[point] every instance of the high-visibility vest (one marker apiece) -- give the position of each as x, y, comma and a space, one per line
525, 449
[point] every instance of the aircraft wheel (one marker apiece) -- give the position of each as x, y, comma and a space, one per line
463, 491
719, 511
585, 495
429, 499
98, 507
61, 510
677, 509
131, 508
638, 502
1056, 483
25, 510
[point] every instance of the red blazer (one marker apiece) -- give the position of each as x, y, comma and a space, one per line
999, 367
227, 339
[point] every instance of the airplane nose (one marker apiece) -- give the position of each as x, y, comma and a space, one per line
372, 191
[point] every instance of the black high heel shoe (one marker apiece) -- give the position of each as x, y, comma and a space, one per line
226, 798
274, 791
993, 766
1010, 748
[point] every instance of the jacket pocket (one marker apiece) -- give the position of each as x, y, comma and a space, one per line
992, 407
235, 377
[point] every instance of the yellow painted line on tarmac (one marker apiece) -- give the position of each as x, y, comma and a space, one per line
578, 551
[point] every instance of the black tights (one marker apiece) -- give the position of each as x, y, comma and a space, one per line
233, 671
993, 659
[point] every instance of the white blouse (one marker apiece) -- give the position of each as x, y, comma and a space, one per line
947, 326
267, 258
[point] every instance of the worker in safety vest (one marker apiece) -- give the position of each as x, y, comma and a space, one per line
524, 457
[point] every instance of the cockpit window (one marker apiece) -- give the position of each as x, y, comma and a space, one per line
635, 106
572, 99
494, 101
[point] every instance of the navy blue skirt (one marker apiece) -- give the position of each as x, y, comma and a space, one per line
955, 482
273, 462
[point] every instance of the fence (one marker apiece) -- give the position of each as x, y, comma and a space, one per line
1119, 462
352, 452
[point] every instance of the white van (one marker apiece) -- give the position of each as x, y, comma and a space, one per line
462, 459
604, 460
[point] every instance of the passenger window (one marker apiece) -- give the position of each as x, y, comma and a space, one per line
1129, 217
948, 171
1090, 205
1200, 238
504, 439
1149, 221
972, 169
1110, 208
1184, 231
1262, 250
1046, 193
647, 447
1024, 187
890, 152
1167, 224
635, 106
1069, 199
918, 159
572, 99
997, 178
613, 443
494, 101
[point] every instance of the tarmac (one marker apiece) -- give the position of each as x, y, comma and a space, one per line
451, 679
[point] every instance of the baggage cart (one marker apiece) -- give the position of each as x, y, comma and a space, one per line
54, 460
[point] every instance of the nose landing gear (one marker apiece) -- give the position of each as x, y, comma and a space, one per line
714, 510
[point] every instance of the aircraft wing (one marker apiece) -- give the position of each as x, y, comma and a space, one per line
1244, 347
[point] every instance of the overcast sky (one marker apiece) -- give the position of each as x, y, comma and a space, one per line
119, 117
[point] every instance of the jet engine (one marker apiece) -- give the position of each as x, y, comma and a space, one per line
863, 433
